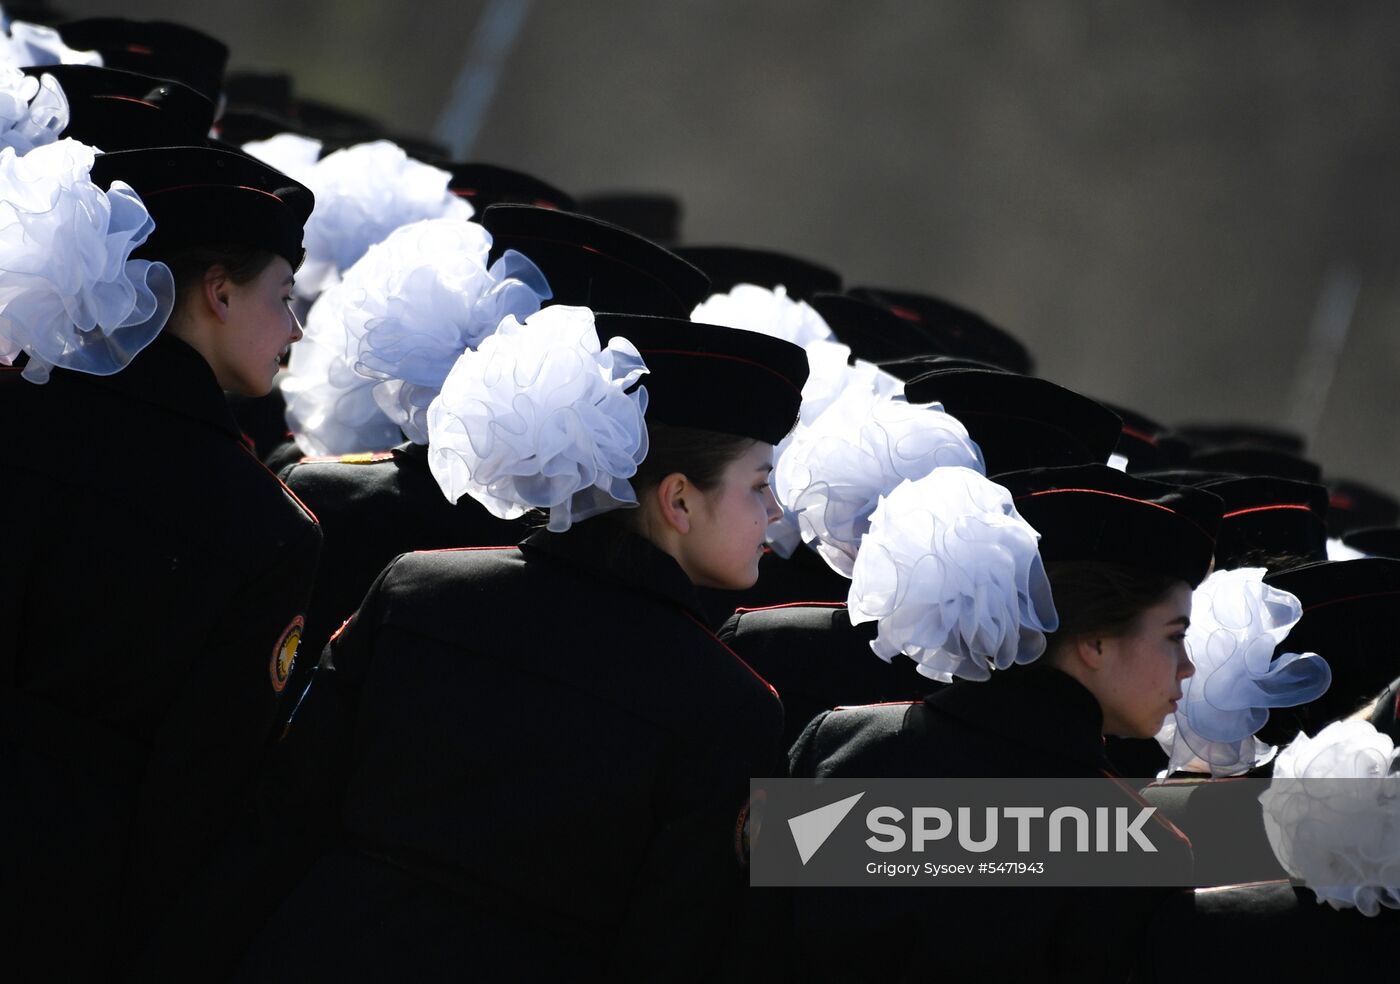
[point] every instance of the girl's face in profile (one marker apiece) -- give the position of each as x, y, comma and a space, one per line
1139, 682
259, 330
728, 527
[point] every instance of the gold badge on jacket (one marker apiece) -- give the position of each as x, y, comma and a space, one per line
284, 655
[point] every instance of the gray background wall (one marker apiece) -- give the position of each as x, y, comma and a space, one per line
1150, 195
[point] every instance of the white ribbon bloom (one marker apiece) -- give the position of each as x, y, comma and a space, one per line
1332, 815
1337, 550
33, 112
834, 471
290, 153
1237, 621
363, 193
952, 573
70, 295
539, 417
28, 44
829, 378
769, 312
379, 344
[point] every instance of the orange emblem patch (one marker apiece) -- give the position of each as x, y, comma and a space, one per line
284, 655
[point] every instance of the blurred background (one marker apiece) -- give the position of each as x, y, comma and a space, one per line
1186, 208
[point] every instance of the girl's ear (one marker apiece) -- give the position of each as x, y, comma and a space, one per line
1090, 650
671, 495
214, 291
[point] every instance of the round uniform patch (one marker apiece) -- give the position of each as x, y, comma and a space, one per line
748, 824
284, 656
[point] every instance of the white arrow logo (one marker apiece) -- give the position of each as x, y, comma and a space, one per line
810, 830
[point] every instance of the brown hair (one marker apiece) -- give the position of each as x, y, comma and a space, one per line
699, 455
189, 265
1096, 598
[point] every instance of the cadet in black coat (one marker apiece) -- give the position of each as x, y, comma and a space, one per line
373, 507
378, 504
154, 615
544, 751
1121, 555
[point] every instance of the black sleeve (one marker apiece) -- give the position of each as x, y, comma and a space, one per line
290, 820
803, 758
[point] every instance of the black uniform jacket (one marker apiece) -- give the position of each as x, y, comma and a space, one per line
818, 660
151, 613
1028, 721
548, 756
373, 507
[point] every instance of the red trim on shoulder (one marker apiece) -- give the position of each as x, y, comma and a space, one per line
336, 634
248, 441
791, 604
883, 703
1172, 828
295, 498
1253, 884
435, 550
757, 676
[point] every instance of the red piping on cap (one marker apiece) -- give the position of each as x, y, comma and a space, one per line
1256, 509
259, 191
1138, 435
1126, 498
140, 49
906, 313
129, 99
730, 358
598, 252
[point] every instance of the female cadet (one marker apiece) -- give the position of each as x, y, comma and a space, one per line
154, 570
546, 751
1121, 555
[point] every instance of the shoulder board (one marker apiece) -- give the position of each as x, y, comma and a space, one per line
358, 458
791, 604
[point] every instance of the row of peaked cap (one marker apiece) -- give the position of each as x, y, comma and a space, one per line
116, 110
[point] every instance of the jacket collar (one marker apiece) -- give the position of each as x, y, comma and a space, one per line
605, 547
171, 375
1035, 697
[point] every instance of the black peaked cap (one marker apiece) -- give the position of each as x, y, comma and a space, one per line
201, 196
594, 264
485, 185
729, 266
160, 48
1354, 505
1020, 421
952, 328
1348, 619
1378, 541
714, 378
1097, 513
1255, 459
653, 214
114, 110
871, 331
1266, 516
1207, 435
